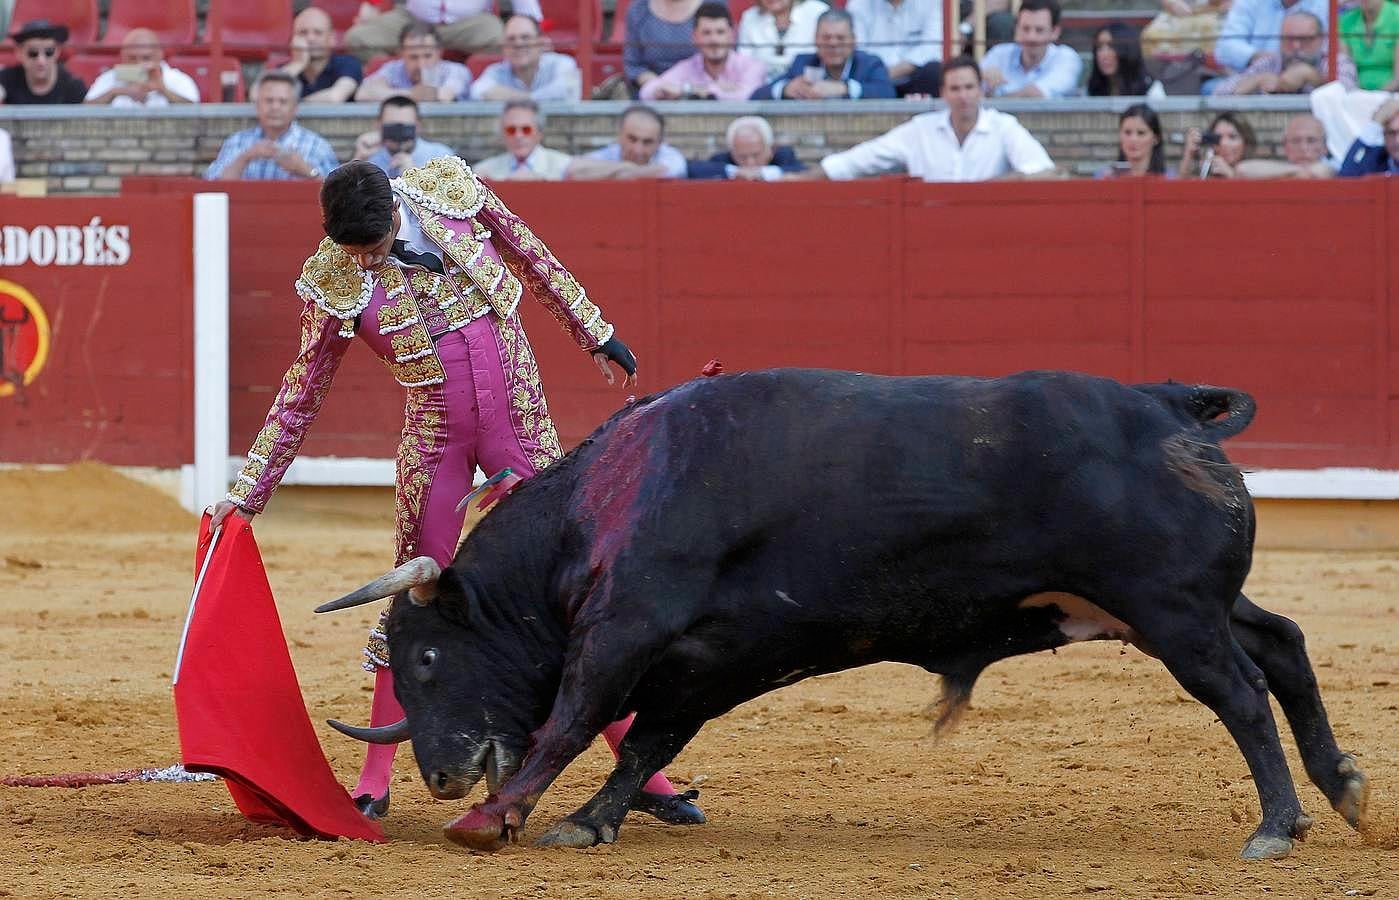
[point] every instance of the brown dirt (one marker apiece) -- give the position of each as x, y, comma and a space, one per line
1082, 772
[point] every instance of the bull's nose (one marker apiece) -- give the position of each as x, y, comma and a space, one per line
445, 786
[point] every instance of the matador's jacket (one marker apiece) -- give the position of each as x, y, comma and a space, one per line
408, 315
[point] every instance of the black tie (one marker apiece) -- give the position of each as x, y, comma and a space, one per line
413, 258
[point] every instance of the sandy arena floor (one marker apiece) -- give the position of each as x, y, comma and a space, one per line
1086, 771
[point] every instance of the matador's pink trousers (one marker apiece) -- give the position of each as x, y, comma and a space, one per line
458, 425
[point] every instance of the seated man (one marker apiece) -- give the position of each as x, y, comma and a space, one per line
40, 77
907, 35
524, 159
1376, 150
1299, 67
325, 76
396, 146
836, 69
716, 71
7, 159
277, 148
1254, 27
964, 142
752, 154
419, 71
143, 78
1303, 145
640, 150
467, 26
1035, 64
528, 72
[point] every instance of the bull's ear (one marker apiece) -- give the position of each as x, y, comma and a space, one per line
454, 594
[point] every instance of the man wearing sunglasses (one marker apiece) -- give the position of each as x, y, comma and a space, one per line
398, 146
524, 159
40, 77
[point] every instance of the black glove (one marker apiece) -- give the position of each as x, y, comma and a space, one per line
617, 351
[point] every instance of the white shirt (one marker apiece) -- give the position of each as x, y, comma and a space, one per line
910, 32
7, 159
445, 12
926, 147
176, 81
758, 37
550, 165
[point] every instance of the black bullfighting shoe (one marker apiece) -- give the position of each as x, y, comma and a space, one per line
672, 809
373, 807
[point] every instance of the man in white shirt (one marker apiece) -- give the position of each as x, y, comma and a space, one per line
964, 142
524, 159
7, 159
143, 78
907, 35
528, 72
1036, 65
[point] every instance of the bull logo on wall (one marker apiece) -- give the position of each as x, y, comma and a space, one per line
24, 338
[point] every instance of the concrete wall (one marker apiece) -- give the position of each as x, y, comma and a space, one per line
82, 149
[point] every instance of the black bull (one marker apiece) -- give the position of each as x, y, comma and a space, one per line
737, 534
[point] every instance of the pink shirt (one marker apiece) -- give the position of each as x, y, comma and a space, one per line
742, 76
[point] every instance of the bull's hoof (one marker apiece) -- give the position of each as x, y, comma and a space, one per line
1355, 795
1267, 846
373, 807
577, 835
482, 830
672, 809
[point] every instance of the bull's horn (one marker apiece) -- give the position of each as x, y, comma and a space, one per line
396, 733
417, 576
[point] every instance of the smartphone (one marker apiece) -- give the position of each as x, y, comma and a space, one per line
129, 73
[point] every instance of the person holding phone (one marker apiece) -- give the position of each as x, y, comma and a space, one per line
397, 146
40, 77
143, 77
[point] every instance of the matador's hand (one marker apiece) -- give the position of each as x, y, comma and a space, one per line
220, 511
617, 352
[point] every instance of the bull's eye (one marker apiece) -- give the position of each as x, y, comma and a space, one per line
425, 663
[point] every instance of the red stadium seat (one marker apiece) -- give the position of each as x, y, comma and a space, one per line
738, 7
173, 21
200, 67
619, 23
252, 29
477, 62
88, 66
79, 15
561, 21
342, 13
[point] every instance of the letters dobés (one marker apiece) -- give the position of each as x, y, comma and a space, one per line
93, 244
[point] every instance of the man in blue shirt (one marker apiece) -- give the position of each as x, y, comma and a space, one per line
1252, 29
1036, 64
325, 76
527, 72
835, 70
1376, 149
397, 145
277, 148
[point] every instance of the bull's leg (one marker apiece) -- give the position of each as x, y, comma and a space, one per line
644, 752
1277, 646
1209, 664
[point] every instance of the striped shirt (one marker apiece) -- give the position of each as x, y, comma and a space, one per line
307, 144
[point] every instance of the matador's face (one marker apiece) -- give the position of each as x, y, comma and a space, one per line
369, 256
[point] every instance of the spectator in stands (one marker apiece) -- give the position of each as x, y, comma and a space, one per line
907, 36
775, 31
277, 148
836, 69
7, 158
1184, 27
1140, 146
753, 154
964, 142
1118, 70
640, 150
525, 158
1370, 35
325, 76
1035, 64
1304, 149
1228, 141
143, 78
1298, 67
419, 71
658, 37
1253, 27
396, 144
467, 26
1376, 149
527, 72
715, 71
40, 77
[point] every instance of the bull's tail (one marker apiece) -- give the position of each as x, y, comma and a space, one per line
1220, 412
955, 699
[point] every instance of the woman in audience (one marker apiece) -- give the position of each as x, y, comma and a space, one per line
1118, 70
1370, 33
658, 37
1140, 150
775, 31
1230, 141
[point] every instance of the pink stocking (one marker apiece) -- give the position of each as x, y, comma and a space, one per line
378, 759
613, 734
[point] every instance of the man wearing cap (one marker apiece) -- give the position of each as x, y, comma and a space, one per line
40, 77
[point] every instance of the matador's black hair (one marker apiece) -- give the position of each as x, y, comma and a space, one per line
357, 204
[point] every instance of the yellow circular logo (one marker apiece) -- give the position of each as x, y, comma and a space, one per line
24, 337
